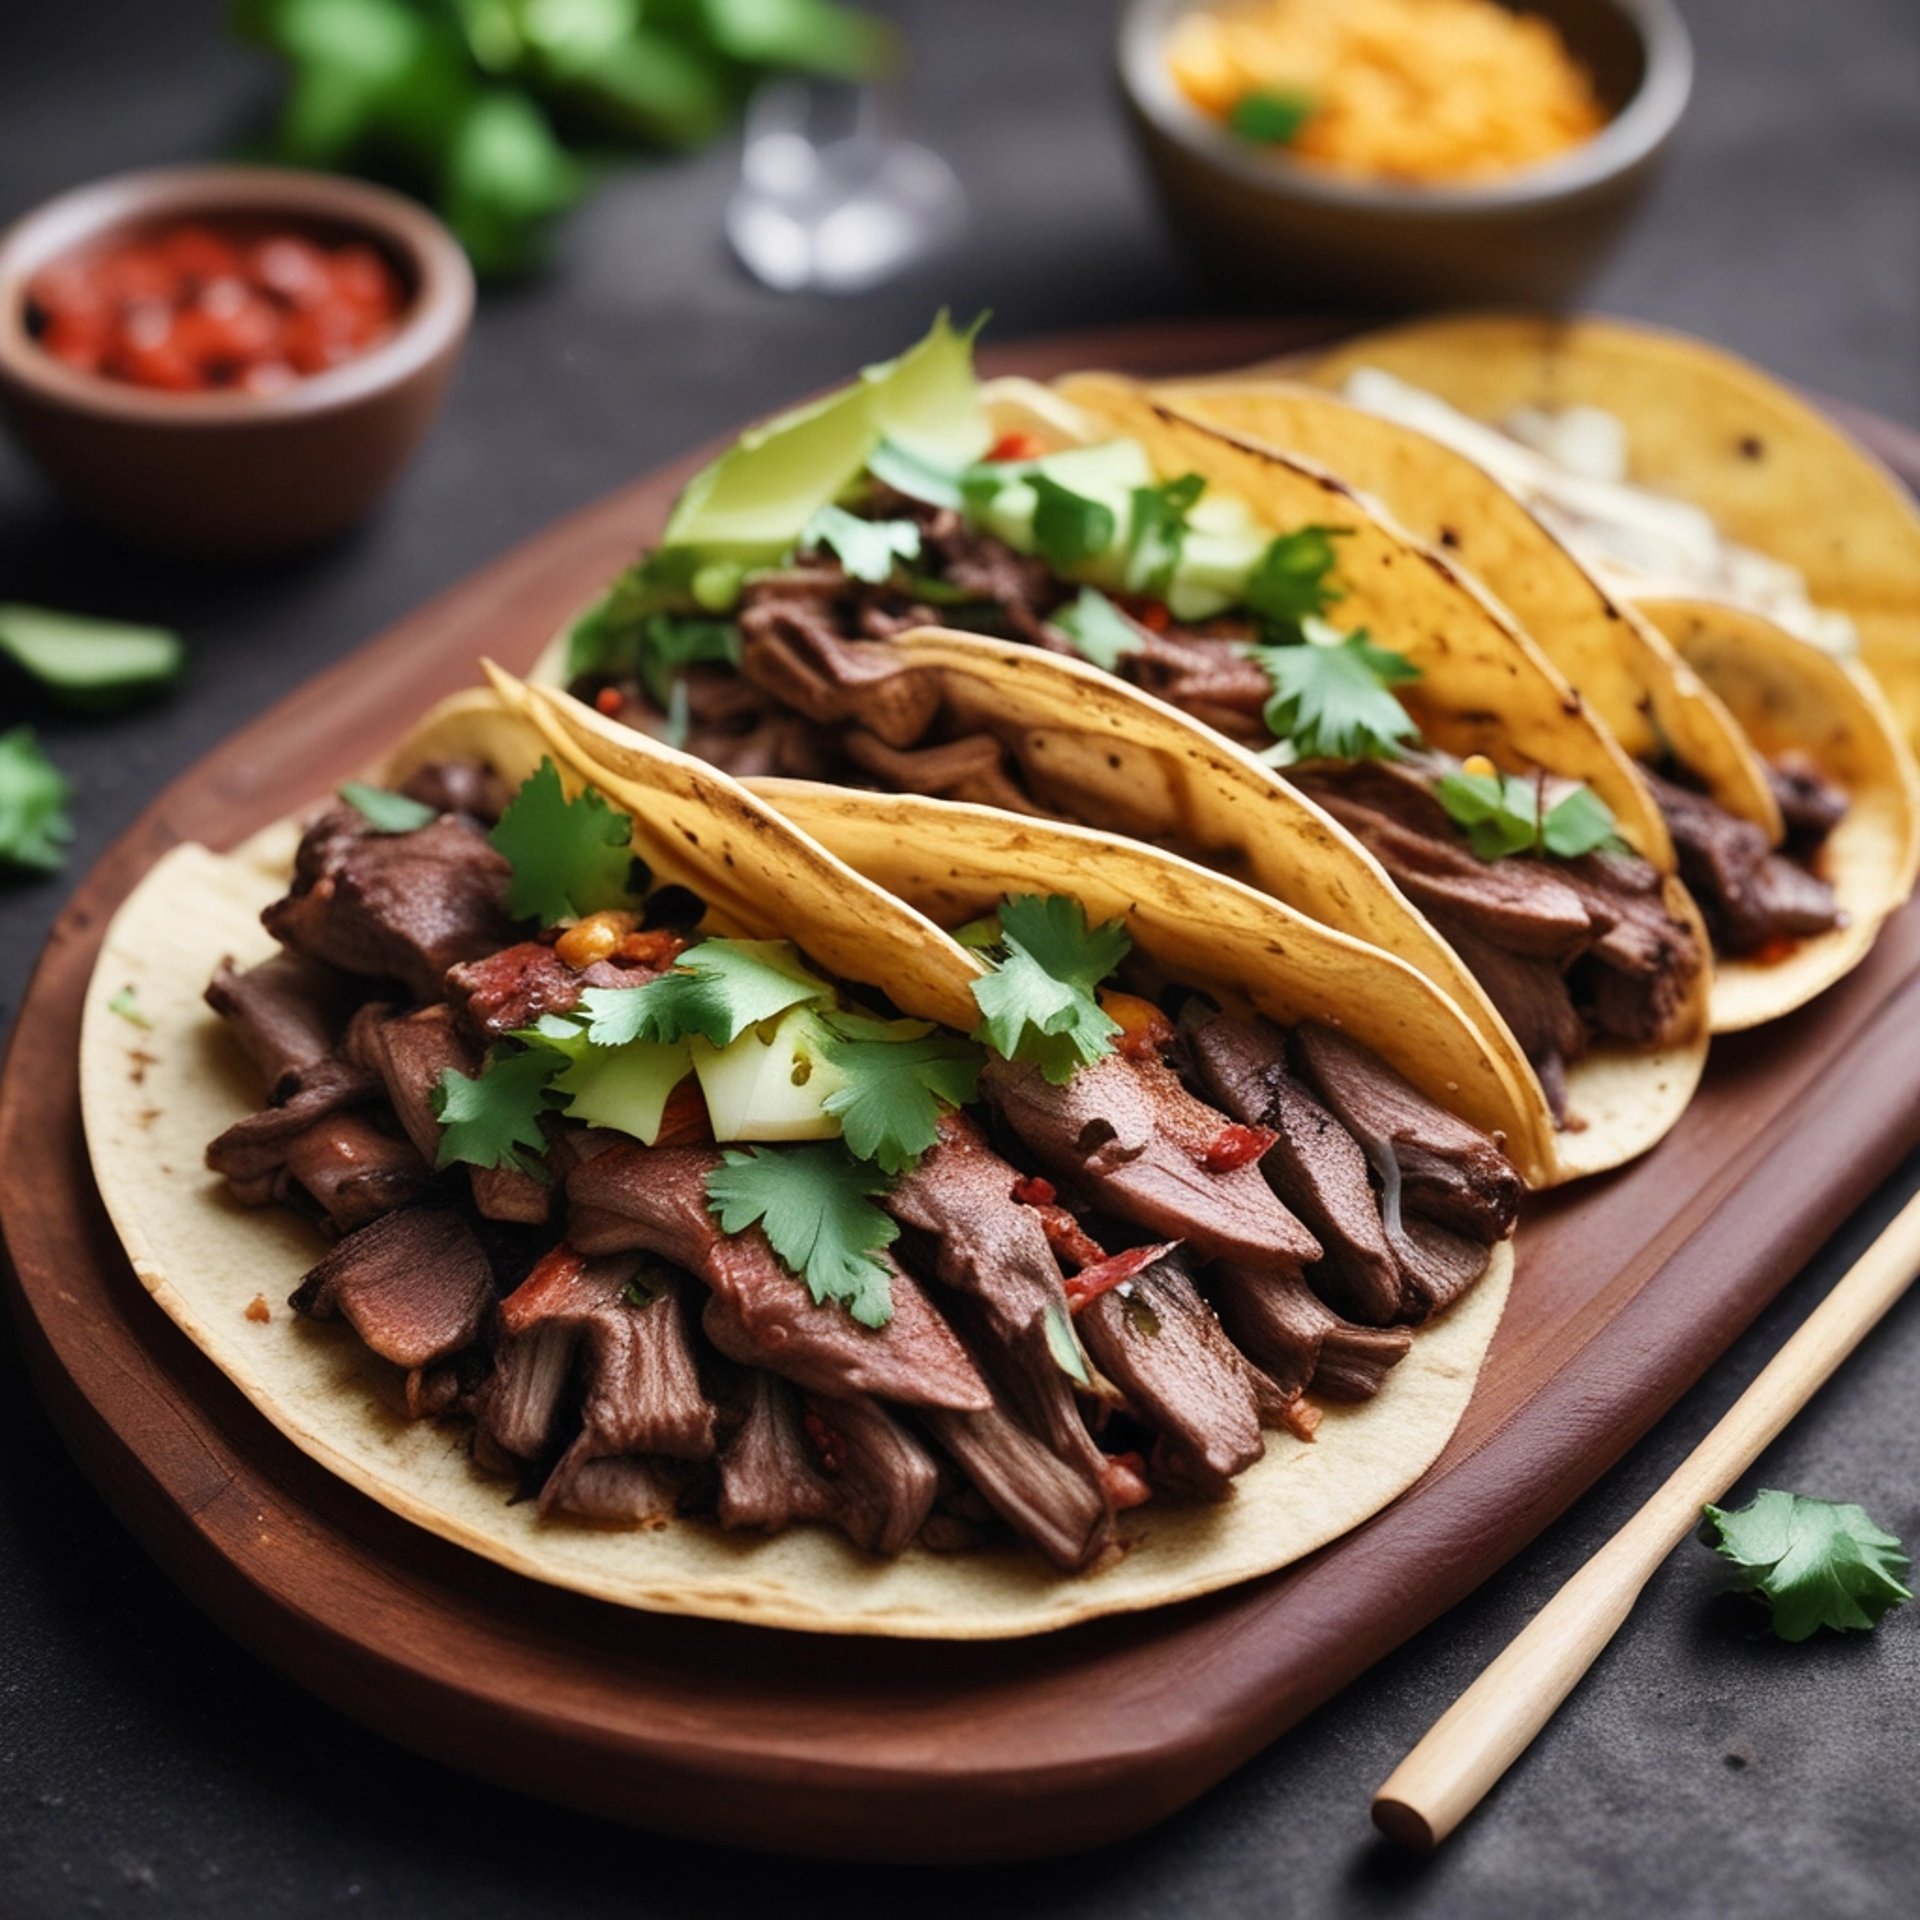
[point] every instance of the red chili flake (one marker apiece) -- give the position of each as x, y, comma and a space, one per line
1124, 1477
1153, 615
1235, 1146
827, 1444
1030, 1190
609, 700
1104, 1275
651, 947
1017, 446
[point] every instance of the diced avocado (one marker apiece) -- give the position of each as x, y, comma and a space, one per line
89, 663
1108, 471
1213, 569
625, 1088
750, 504
772, 1087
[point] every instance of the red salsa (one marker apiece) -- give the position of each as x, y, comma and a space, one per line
202, 306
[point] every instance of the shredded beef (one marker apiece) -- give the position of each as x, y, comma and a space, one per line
415, 1286
287, 1012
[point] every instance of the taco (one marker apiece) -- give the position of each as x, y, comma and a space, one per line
671, 1213
1796, 855
1464, 811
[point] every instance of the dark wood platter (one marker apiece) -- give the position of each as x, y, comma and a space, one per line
1628, 1288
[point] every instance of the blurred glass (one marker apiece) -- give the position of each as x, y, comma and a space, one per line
830, 200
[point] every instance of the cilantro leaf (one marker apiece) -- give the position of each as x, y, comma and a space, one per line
669, 643
1271, 117
815, 1205
1039, 1002
718, 990
127, 1007
1158, 532
34, 826
1067, 526
868, 549
1330, 696
1500, 814
1816, 1563
570, 858
1099, 630
492, 1118
385, 811
914, 475
899, 1074
1289, 583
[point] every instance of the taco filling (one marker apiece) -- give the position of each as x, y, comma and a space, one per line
682, 1227
770, 668
1569, 469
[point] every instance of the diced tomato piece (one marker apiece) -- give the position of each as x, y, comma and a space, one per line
293, 270
1030, 1190
1153, 615
1236, 1146
1017, 446
609, 700
1124, 1478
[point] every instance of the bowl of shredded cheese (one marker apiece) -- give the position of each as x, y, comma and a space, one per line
1405, 151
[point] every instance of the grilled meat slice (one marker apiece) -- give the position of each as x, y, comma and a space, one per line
1810, 803
1298, 1341
459, 786
499, 993
655, 1199
287, 1012
611, 1490
770, 1476
415, 1286
1061, 1507
883, 1480
397, 906
1159, 1342
1314, 1164
1130, 1137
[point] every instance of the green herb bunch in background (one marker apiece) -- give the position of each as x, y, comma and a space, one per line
496, 111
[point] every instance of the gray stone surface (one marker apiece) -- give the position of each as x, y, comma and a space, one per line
147, 1765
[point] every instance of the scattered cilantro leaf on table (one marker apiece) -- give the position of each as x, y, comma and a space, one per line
386, 811
815, 1205
1271, 117
492, 1118
1500, 814
718, 990
1816, 1563
1157, 532
1067, 527
570, 858
868, 549
899, 1075
1331, 696
1039, 1003
34, 825
1099, 630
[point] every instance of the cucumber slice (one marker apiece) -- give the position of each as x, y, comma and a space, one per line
90, 663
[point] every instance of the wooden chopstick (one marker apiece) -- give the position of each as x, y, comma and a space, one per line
1481, 1735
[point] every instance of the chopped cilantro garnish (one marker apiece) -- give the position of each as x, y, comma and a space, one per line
672, 642
1330, 696
386, 811
569, 857
1067, 527
127, 1007
868, 549
492, 1118
1271, 117
34, 827
914, 475
815, 1205
1816, 1563
899, 1074
1158, 531
718, 990
1500, 814
1099, 631
1289, 583
1039, 1002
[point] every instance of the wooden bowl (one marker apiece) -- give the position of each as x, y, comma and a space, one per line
1267, 224
231, 473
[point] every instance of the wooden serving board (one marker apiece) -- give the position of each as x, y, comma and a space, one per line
1628, 1287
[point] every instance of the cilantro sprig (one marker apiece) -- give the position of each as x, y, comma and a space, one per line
492, 1118
1157, 532
1816, 1563
1331, 695
569, 858
1100, 631
815, 1205
1292, 581
1039, 1003
386, 811
717, 990
899, 1075
34, 823
868, 549
1501, 814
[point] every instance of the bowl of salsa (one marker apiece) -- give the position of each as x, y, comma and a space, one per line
227, 360
1403, 152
